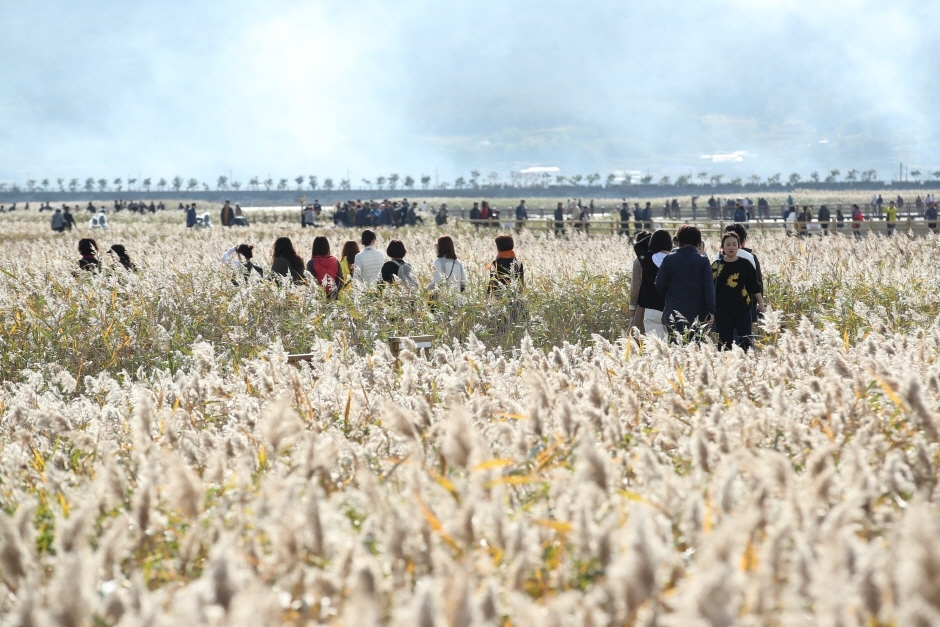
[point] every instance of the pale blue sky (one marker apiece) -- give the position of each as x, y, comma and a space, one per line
284, 88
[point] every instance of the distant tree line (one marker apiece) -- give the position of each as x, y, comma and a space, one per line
394, 182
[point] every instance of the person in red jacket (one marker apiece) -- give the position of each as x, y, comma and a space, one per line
324, 266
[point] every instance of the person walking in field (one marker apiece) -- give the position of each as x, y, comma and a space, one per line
521, 212
227, 214
930, 216
506, 270
624, 219
286, 263
88, 249
857, 219
685, 282
239, 257
396, 267
447, 269
347, 261
368, 263
324, 267
736, 289
190, 216
560, 219
891, 217
658, 246
123, 258
640, 248
824, 218
58, 221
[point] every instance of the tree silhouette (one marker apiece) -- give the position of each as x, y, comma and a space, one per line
118, 184
344, 185
665, 181
102, 184
177, 183
560, 180
460, 182
300, 182
146, 184
89, 184
646, 179
683, 180
935, 174
754, 179
794, 178
392, 181
425, 181
869, 175
328, 184
737, 182
222, 183
61, 184
380, 182
716, 179
192, 184
236, 185
312, 182
409, 182
45, 184
366, 184
254, 183
814, 176
915, 174
73, 185
610, 179
130, 183
703, 176
833, 176
268, 184
31, 185
851, 176
774, 180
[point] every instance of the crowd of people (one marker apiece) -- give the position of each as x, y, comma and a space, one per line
676, 291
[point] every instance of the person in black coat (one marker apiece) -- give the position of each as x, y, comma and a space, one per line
685, 282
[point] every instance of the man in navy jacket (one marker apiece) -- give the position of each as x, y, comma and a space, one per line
685, 281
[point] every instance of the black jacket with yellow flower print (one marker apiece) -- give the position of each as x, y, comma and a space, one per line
735, 285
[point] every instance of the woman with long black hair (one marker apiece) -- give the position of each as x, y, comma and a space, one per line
285, 262
88, 249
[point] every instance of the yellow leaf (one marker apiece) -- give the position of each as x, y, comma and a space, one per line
435, 524
749, 559
445, 483
513, 480
557, 525
512, 416
262, 458
491, 464
63, 504
891, 393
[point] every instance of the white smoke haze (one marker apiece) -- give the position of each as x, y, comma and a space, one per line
368, 88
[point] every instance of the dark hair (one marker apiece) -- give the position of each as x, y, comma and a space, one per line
504, 243
739, 229
445, 247
396, 249
120, 251
283, 247
87, 246
689, 235
730, 234
660, 241
321, 246
245, 250
350, 250
368, 237
642, 236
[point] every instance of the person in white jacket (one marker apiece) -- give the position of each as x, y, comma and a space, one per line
368, 262
447, 270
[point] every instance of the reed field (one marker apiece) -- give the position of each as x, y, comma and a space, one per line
162, 464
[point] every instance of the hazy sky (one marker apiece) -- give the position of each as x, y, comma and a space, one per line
202, 89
